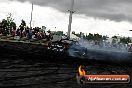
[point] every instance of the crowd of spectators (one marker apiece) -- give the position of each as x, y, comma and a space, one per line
31, 33
23, 31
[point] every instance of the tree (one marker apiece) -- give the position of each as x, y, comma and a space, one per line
73, 32
59, 32
105, 37
90, 36
8, 24
22, 27
4, 29
115, 37
125, 40
95, 37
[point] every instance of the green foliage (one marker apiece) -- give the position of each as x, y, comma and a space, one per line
91, 36
115, 37
104, 37
125, 40
73, 32
7, 25
23, 25
95, 37
59, 32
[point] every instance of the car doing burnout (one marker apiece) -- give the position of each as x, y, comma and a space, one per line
73, 48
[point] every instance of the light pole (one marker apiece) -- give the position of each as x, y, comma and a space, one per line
70, 19
31, 17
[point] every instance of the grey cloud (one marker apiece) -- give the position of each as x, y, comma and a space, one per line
117, 10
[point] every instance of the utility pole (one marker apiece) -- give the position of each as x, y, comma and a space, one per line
31, 17
70, 19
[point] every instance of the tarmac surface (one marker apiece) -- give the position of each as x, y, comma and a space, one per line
28, 70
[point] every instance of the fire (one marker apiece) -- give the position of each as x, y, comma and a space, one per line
81, 71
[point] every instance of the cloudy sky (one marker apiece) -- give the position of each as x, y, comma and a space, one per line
107, 17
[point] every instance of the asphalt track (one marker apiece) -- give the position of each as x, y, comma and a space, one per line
33, 67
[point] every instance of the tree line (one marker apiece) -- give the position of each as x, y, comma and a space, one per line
98, 37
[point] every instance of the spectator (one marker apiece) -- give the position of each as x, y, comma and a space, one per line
13, 32
30, 35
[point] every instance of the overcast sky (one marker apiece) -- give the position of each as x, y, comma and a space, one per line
107, 17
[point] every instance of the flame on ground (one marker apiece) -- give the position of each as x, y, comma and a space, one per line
81, 71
